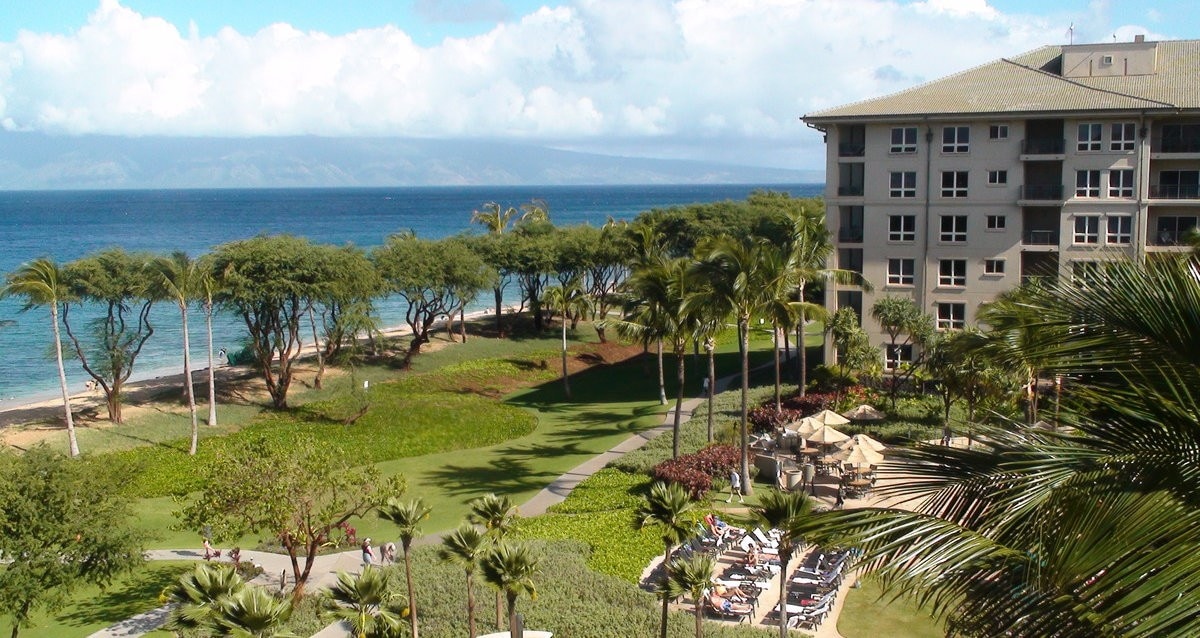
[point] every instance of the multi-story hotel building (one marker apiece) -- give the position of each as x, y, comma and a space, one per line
1043, 165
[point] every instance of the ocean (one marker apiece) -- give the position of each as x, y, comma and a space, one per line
66, 225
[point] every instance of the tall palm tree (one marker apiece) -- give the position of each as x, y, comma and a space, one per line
1089, 533
465, 547
535, 210
691, 576
207, 289
367, 602
198, 596
495, 219
180, 276
669, 509
498, 516
510, 568
783, 511
254, 613
41, 283
567, 299
407, 517
737, 279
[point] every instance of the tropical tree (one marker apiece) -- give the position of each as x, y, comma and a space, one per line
181, 280
692, 576
465, 547
495, 219
498, 516
852, 345
1088, 533
647, 312
254, 613
567, 299
669, 509
407, 516
783, 511
511, 568
41, 283
1016, 340
198, 596
207, 285
120, 286
367, 602
906, 327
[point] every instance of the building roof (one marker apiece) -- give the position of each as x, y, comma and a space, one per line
1032, 83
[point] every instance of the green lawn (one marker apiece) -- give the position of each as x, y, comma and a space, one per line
867, 614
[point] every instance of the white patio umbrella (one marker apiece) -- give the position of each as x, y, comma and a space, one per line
828, 417
860, 456
862, 440
825, 435
864, 412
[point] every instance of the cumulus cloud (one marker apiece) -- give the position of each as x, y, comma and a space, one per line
577, 74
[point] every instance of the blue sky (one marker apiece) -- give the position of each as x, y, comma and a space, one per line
722, 80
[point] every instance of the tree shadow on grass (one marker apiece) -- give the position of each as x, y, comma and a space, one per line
123, 600
505, 475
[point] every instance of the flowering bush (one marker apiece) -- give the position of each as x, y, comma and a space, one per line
695, 472
795, 407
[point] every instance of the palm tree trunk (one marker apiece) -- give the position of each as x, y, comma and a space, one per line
662, 385
317, 348
778, 379
680, 364
212, 379
566, 382
802, 348
72, 441
783, 576
512, 612
462, 322
662, 628
744, 345
499, 325
700, 616
470, 606
412, 601
712, 390
499, 611
188, 386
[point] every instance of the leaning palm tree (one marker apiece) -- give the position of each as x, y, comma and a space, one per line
254, 613
199, 595
783, 511
41, 283
180, 277
1092, 532
510, 568
465, 547
498, 516
407, 516
691, 576
668, 508
367, 602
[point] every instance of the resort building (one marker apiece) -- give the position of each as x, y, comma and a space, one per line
1043, 165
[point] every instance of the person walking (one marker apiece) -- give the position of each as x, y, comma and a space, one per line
841, 498
368, 556
735, 486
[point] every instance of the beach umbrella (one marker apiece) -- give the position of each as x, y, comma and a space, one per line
864, 412
862, 440
826, 435
860, 456
828, 417
804, 427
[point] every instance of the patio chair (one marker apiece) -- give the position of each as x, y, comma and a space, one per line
723, 608
810, 618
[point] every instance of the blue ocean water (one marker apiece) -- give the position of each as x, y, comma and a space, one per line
65, 225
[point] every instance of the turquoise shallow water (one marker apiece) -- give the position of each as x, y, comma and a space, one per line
65, 225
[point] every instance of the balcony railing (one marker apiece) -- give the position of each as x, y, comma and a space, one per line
1176, 144
851, 149
851, 234
1042, 192
1043, 147
1172, 237
1175, 191
854, 190
1040, 238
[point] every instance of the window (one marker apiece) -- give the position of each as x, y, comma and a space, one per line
1120, 183
993, 266
896, 356
1087, 229
954, 228
904, 184
1089, 137
1122, 137
954, 183
1172, 230
1120, 229
997, 222
996, 178
1087, 183
1086, 272
956, 139
952, 272
900, 272
902, 227
997, 131
904, 140
951, 316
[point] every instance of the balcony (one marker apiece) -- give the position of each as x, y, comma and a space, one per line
1175, 144
1042, 237
1042, 192
851, 149
850, 234
1043, 147
853, 190
1175, 191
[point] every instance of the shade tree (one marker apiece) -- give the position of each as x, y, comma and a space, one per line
907, 328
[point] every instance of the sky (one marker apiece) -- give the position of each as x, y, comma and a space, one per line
714, 80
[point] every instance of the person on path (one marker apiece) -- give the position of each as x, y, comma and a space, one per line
368, 556
388, 554
735, 486
841, 498
209, 552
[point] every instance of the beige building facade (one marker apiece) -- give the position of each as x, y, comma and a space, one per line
1044, 165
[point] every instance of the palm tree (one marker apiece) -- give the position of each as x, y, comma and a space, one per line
41, 283
567, 299
1015, 341
465, 547
254, 613
207, 288
646, 315
783, 511
181, 281
498, 516
407, 516
495, 219
668, 508
692, 576
1087, 533
536, 210
199, 595
510, 568
366, 602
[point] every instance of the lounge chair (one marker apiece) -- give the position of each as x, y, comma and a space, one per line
810, 618
722, 608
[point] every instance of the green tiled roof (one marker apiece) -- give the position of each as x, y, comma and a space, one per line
1030, 83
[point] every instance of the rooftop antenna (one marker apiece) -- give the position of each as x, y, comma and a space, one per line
1071, 34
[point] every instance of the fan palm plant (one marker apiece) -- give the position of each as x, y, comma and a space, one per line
465, 547
669, 509
498, 516
254, 613
691, 576
510, 568
199, 595
367, 602
783, 511
407, 517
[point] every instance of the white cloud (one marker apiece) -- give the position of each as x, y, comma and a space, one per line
576, 74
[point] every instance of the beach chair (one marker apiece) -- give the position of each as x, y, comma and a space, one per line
809, 618
728, 610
